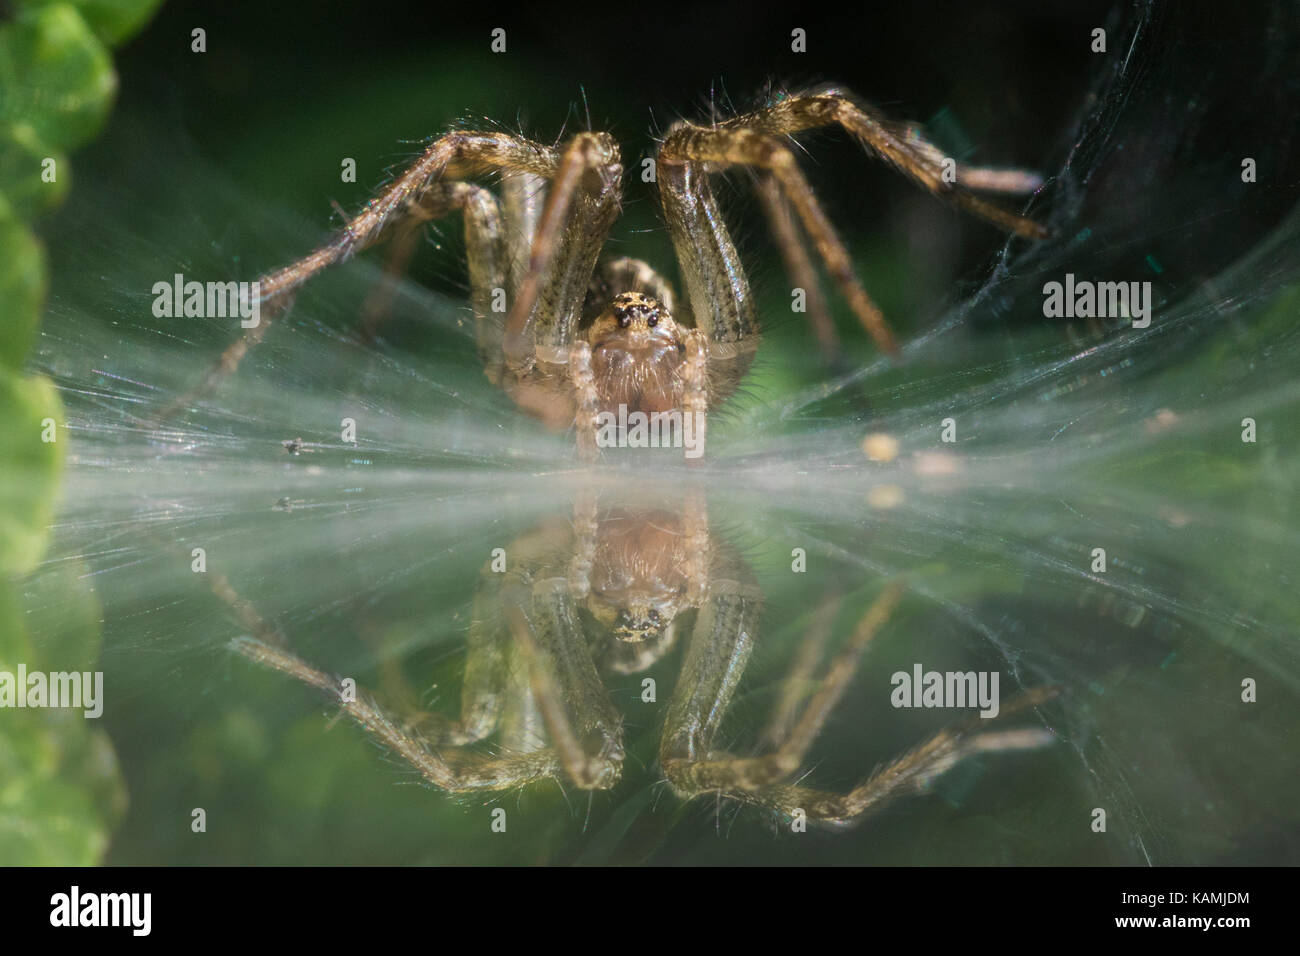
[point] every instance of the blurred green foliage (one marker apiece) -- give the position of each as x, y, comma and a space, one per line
60, 789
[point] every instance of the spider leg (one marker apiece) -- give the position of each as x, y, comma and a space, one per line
585, 728
695, 389
455, 156
801, 676
485, 675
715, 660
910, 773
557, 665
759, 780
401, 250
903, 146
757, 140
690, 146
715, 284
699, 544
544, 369
586, 526
484, 252
486, 690
587, 400
523, 196
451, 769
799, 266
581, 206
707, 771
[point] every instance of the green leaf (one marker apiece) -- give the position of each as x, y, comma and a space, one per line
55, 77
61, 790
29, 406
22, 288
30, 190
113, 21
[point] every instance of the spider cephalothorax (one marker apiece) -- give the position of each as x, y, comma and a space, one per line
538, 243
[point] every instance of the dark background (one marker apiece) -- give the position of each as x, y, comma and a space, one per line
286, 89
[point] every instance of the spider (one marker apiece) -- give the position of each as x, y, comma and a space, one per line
569, 335
605, 594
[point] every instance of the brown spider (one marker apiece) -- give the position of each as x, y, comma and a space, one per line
571, 337
540, 639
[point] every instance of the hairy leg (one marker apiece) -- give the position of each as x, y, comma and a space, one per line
586, 400
695, 390
717, 771
799, 266
795, 686
715, 660
586, 527
450, 769
901, 144
485, 255
455, 156
909, 774
584, 199
757, 140
584, 727
524, 620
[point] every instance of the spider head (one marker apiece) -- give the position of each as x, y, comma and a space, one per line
633, 320
637, 312
639, 622
635, 621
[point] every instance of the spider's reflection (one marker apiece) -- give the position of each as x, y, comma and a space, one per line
610, 592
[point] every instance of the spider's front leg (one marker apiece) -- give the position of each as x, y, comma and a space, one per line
721, 643
451, 769
545, 366
909, 774
759, 780
584, 727
527, 666
700, 769
454, 157
584, 201
758, 140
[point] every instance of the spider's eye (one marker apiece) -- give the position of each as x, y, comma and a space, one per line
624, 319
653, 320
